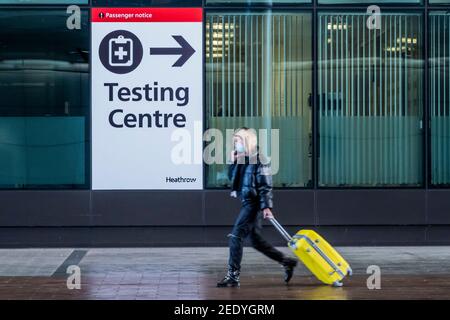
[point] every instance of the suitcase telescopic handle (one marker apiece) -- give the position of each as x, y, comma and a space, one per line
280, 229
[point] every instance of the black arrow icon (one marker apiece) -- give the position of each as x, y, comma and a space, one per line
185, 50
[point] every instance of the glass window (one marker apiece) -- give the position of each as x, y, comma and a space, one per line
439, 1
259, 75
368, 2
44, 106
439, 66
370, 100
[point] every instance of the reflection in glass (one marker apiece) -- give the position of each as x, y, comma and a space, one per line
439, 64
368, 2
370, 100
247, 2
44, 1
258, 75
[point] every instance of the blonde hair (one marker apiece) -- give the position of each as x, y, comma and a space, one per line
249, 139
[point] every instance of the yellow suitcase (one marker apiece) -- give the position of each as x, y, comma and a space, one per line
317, 255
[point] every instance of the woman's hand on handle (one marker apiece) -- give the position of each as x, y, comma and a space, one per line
267, 213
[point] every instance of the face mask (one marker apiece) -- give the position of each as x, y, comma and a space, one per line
239, 147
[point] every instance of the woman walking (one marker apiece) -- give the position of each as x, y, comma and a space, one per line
251, 181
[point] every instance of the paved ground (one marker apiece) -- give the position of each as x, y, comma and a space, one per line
191, 273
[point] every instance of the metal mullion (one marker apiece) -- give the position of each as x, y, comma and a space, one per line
223, 65
335, 109
279, 67
271, 71
346, 128
228, 71
246, 66
325, 128
342, 178
432, 96
318, 108
446, 70
438, 127
391, 107
446, 111
234, 66
240, 66
329, 129
395, 127
409, 109
295, 76
369, 149
211, 61
361, 96
257, 67
263, 65
385, 115
406, 121
378, 110
401, 106
341, 170
292, 62
364, 130
284, 65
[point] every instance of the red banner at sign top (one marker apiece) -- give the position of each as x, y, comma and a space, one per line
147, 14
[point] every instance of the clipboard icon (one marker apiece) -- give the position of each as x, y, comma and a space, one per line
120, 52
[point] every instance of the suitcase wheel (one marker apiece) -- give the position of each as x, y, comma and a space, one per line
349, 272
337, 284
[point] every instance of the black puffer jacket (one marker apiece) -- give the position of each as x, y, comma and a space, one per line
252, 179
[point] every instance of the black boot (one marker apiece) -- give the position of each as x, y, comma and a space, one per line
288, 264
230, 280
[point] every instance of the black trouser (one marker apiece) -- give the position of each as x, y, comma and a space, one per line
249, 223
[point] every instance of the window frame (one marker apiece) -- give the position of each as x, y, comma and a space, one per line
87, 128
429, 155
425, 176
262, 9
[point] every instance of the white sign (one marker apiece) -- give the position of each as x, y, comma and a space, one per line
147, 88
